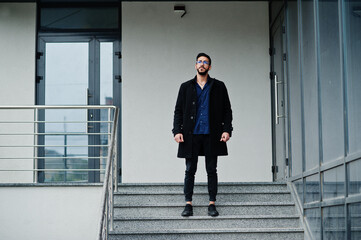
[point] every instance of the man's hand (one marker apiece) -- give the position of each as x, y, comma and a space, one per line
225, 137
178, 138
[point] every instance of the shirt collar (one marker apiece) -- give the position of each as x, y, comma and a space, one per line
209, 80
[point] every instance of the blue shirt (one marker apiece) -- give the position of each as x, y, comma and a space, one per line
202, 118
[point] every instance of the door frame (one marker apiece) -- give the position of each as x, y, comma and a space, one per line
94, 41
280, 19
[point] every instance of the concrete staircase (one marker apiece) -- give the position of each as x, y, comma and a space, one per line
247, 211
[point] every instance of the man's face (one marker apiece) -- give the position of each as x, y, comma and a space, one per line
202, 65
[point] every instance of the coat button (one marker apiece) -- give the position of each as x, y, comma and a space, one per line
193, 103
191, 117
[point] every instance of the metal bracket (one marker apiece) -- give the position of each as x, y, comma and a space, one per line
271, 51
39, 54
272, 75
119, 54
39, 78
180, 9
119, 78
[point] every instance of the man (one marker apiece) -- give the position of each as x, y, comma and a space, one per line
202, 126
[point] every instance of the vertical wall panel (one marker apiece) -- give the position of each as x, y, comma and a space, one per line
310, 86
294, 85
353, 72
17, 81
331, 82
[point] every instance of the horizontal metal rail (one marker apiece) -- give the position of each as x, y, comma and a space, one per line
53, 170
50, 134
53, 157
55, 121
59, 107
10, 146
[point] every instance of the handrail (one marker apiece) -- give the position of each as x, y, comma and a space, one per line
59, 107
108, 208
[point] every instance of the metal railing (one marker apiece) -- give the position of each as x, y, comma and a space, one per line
41, 144
25, 135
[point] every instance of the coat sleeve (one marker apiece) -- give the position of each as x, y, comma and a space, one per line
227, 120
178, 113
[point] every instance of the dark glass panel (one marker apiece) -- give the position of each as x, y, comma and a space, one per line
299, 188
313, 219
79, 18
354, 211
334, 223
334, 183
276, 6
354, 174
312, 189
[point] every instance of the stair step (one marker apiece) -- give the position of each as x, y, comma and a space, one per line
202, 187
213, 234
205, 222
248, 211
152, 198
225, 209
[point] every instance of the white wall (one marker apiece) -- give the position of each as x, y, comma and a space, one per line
159, 50
17, 58
44, 213
17, 81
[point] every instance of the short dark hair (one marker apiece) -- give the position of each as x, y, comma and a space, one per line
204, 55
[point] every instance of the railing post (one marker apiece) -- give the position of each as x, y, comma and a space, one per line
116, 174
110, 207
106, 227
35, 154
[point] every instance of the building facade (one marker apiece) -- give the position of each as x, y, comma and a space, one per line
291, 68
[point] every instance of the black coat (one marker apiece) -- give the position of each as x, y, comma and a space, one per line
220, 116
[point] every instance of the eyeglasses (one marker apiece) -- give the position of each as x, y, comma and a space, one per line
204, 62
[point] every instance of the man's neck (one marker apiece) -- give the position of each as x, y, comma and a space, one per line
202, 78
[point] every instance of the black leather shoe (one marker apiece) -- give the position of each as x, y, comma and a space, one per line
188, 211
212, 211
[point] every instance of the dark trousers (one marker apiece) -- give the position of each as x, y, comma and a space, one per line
201, 144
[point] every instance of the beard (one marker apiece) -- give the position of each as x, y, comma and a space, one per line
202, 73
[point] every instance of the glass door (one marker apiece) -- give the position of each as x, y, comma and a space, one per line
74, 71
279, 85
